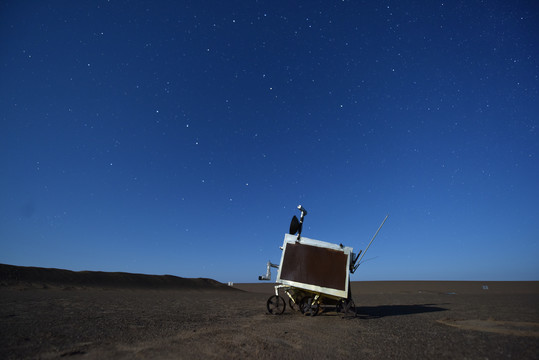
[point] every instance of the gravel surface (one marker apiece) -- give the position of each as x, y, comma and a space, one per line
394, 320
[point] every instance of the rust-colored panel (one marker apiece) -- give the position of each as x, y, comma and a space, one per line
315, 266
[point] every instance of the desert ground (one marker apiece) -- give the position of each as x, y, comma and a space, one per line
49, 314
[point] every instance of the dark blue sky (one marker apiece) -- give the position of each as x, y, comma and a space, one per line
179, 136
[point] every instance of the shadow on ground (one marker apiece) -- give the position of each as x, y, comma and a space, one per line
374, 312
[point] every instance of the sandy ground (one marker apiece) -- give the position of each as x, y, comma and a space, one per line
455, 320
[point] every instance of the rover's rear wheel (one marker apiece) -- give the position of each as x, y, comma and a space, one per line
346, 306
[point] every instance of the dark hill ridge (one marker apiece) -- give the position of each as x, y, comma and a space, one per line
22, 275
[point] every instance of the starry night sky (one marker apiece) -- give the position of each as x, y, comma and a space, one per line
178, 137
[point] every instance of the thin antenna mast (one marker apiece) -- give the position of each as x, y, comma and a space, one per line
367, 248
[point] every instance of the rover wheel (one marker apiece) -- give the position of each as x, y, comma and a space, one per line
346, 306
276, 305
308, 307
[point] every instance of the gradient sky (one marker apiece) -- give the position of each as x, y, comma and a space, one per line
178, 137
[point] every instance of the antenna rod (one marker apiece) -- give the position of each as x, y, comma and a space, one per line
364, 252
